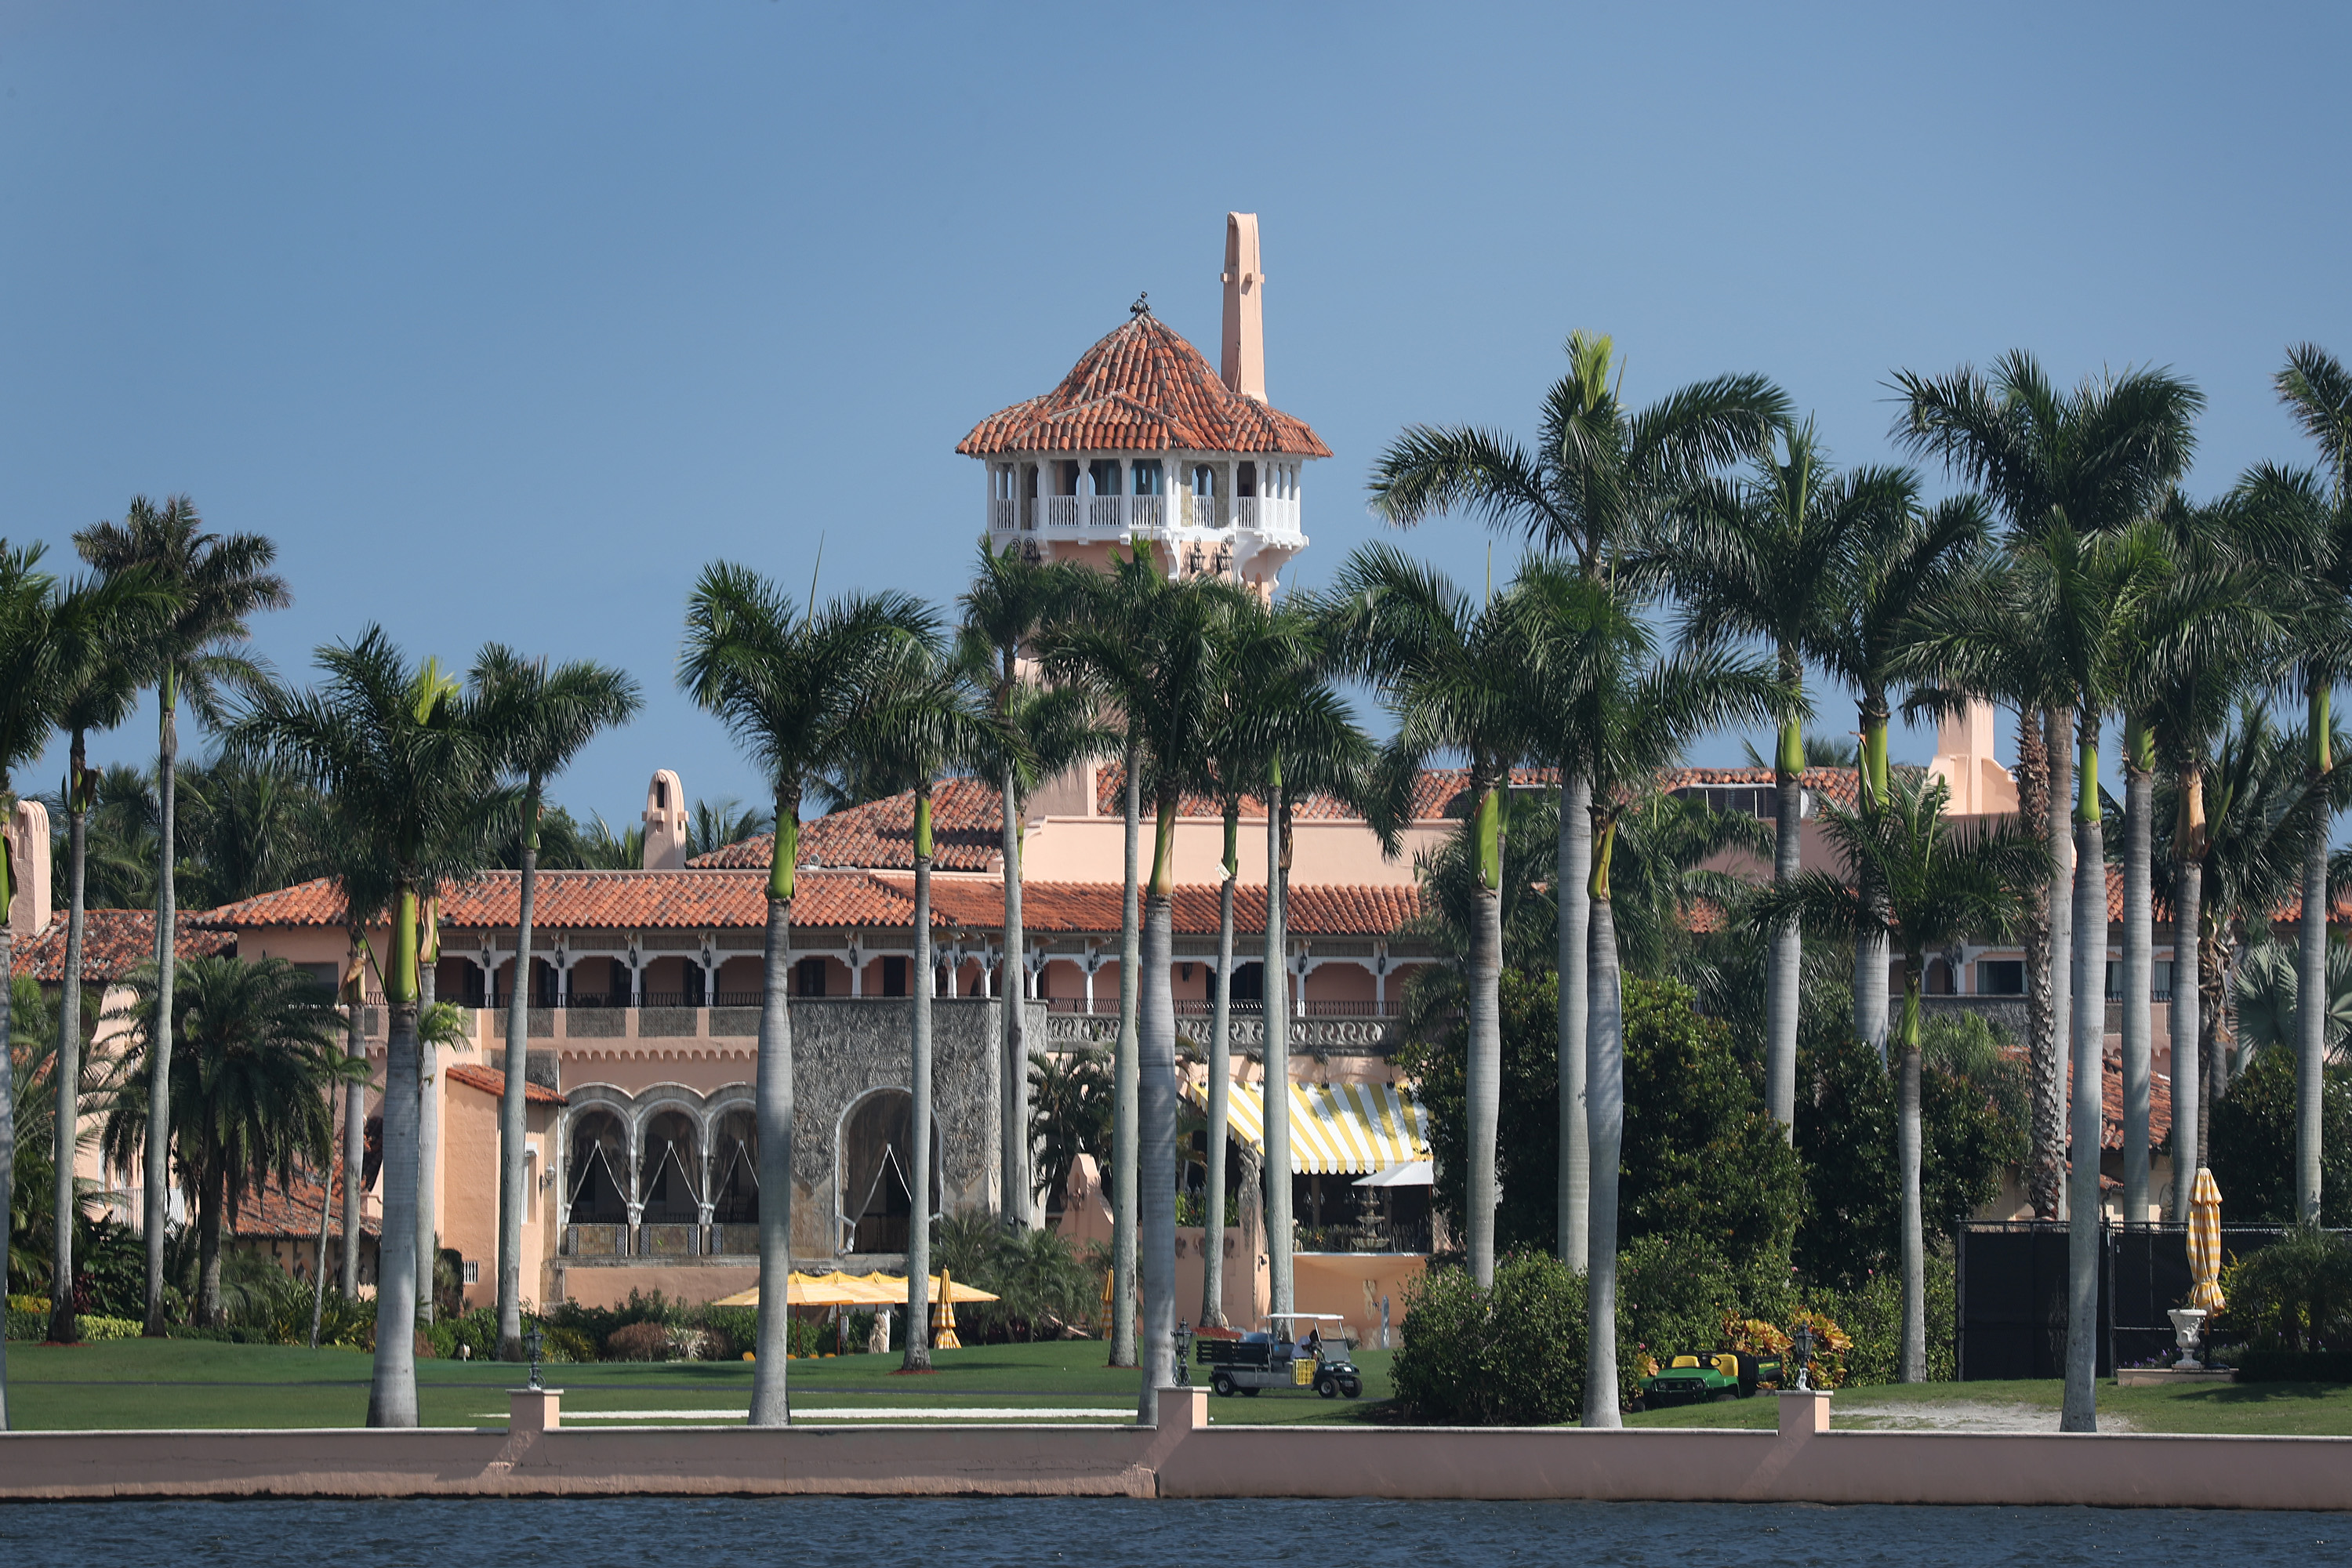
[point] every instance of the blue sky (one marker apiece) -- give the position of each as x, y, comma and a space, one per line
502, 320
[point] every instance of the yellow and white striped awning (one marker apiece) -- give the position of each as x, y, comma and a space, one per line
1336, 1129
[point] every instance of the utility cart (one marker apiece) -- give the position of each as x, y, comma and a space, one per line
1290, 1351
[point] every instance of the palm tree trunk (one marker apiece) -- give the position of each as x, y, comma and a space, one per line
1604, 1100
2311, 966
772, 1108
1156, 1109
2080, 1413
1019, 1189
1873, 948
392, 1394
1124, 1083
326, 1218
1575, 923
1485, 1085
2045, 1163
2138, 968
428, 1139
1221, 1086
2057, 731
65, 1327
2187, 1096
354, 1124
511, 1126
1275, 1091
1912, 1363
1782, 1003
918, 1354
155, 1210
208, 1241
7, 1107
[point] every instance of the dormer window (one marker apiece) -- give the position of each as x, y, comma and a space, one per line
661, 794
1145, 472
1103, 471
1204, 479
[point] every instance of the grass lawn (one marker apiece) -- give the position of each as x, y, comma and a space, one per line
194, 1383
2270, 1409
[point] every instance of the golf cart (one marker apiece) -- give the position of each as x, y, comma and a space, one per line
1703, 1379
1278, 1356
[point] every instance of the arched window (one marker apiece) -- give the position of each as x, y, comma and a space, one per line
735, 1170
876, 1196
671, 1176
599, 1161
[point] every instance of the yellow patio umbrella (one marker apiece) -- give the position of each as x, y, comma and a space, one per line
2205, 1243
943, 1334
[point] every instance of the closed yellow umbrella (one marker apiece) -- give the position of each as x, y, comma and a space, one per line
943, 1334
2205, 1243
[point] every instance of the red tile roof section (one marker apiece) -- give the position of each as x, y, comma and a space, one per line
967, 821
281, 1213
113, 943
491, 1081
626, 900
2111, 1111
1141, 389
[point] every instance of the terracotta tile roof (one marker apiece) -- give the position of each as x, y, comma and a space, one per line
966, 828
566, 901
282, 1213
1316, 909
492, 1082
113, 943
1141, 389
2111, 1095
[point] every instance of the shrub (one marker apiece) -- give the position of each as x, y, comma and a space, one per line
28, 1318
2294, 1294
1513, 1355
645, 1340
2295, 1366
2253, 1153
1872, 1314
559, 1346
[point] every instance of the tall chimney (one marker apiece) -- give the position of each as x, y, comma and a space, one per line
1243, 364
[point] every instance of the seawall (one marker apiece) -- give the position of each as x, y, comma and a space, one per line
1804, 1461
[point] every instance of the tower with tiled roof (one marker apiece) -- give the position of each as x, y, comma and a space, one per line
1143, 442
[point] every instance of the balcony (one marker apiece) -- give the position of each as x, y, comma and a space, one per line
1111, 517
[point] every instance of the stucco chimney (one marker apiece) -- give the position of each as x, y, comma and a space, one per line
666, 821
1243, 364
29, 836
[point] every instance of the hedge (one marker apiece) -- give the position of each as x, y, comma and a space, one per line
2293, 1366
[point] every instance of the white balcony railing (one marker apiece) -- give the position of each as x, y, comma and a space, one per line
1120, 514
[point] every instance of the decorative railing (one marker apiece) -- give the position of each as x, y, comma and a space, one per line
1003, 515
1308, 1037
1121, 513
1061, 511
1205, 1007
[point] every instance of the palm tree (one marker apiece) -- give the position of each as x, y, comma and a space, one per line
1010, 601
1453, 674
1115, 668
216, 583
1602, 476
795, 687
47, 643
2200, 646
1182, 638
2064, 467
1938, 887
101, 697
715, 824
2313, 509
543, 718
252, 1100
412, 773
1640, 714
1909, 559
1770, 557
930, 718
2090, 462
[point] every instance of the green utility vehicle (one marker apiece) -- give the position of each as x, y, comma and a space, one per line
1702, 1379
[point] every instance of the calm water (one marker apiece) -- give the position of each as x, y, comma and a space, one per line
972, 1533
